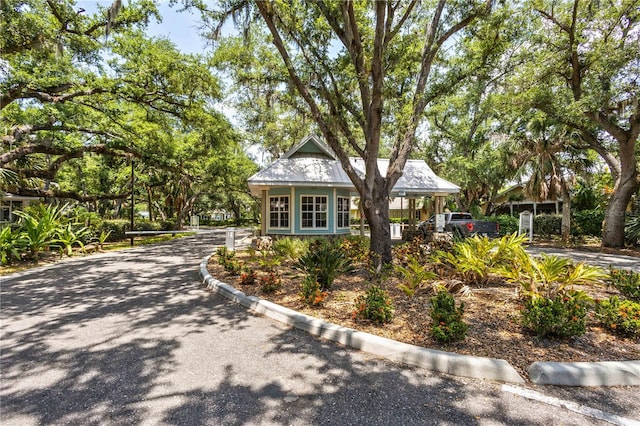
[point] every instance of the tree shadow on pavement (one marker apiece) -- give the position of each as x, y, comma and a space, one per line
133, 337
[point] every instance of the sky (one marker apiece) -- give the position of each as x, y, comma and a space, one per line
179, 27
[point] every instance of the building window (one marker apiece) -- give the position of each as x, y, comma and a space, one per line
314, 212
279, 212
344, 205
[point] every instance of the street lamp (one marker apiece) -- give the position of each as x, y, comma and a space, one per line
132, 200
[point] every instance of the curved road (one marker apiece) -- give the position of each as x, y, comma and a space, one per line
132, 337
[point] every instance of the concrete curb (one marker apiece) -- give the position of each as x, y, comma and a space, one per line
610, 373
444, 362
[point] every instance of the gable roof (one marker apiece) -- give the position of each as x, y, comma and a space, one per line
308, 145
312, 163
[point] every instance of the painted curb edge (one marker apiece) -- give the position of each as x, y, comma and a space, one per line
607, 373
430, 359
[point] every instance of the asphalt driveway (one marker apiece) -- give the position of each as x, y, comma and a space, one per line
132, 337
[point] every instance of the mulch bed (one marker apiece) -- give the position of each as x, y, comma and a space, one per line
492, 312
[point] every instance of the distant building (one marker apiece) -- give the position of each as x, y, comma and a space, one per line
514, 201
10, 203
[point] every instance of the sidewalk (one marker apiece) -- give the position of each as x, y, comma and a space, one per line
603, 260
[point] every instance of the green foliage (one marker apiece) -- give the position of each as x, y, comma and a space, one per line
508, 224
102, 238
325, 261
355, 248
632, 230
69, 235
290, 248
619, 316
447, 325
627, 282
562, 315
550, 276
476, 257
232, 266
269, 262
270, 282
116, 229
406, 252
310, 291
414, 274
375, 305
224, 255
39, 225
587, 222
11, 243
547, 224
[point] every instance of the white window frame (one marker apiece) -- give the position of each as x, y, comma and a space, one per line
346, 202
280, 212
314, 212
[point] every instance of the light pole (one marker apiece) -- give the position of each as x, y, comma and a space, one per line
132, 200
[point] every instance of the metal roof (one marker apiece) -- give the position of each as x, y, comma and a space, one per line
418, 180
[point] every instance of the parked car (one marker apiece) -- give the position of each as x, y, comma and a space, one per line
462, 224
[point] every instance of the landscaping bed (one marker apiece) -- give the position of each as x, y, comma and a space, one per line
491, 310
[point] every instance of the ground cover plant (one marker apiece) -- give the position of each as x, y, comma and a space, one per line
487, 314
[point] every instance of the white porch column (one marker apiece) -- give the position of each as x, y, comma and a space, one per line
265, 212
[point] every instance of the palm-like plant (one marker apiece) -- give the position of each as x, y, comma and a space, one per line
68, 237
324, 262
414, 274
550, 159
550, 276
40, 227
11, 243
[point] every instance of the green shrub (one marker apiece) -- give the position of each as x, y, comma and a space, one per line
290, 248
270, 283
167, 225
146, 225
116, 228
224, 255
447, 325
547, 224
627, 282
310, 291
375, 305
619, 316
356, 248
508, 224
562, 315
587, 222
325, 261
232, 266
475, 258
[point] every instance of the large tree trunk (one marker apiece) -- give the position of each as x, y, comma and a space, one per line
613, 228
566, 214
377, 214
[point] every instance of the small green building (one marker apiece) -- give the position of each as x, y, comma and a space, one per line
307, 192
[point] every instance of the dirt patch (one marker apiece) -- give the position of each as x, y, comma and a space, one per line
492, 312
